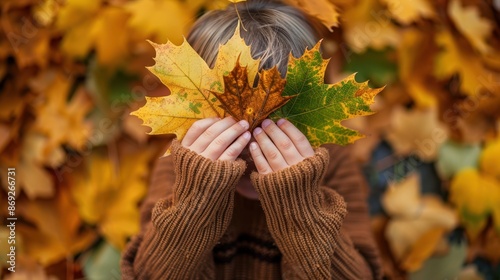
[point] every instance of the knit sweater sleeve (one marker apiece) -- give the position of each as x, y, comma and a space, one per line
307, 222
185, 225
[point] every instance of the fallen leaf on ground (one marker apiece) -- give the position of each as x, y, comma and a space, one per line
58, 232
408, 136
407, 12
470, 23
107, 195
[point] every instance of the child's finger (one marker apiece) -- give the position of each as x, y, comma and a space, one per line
298, 138
272, 154
215, 149
282, 142
201, 143
235, 149
196, 129
259, 160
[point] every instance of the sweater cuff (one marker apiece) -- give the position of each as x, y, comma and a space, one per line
198, 177
294, 186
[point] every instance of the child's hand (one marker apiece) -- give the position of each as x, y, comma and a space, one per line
217, 139
278, 146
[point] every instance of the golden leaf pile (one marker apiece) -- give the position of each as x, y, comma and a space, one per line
71, 71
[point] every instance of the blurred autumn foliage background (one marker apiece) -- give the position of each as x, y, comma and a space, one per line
72, 71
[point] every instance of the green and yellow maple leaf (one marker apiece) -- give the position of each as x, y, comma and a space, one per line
192, 84
318, 108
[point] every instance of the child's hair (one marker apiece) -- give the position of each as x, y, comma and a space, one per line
273, 30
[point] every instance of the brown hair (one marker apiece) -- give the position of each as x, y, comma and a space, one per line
273, 30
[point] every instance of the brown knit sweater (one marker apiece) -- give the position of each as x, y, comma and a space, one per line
195, 226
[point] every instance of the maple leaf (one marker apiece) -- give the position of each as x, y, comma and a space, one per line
28, 50
455, 59
490, 159
243, 102
468, 20
476, 196
150, 20
60, 121
364, 27
108, 196
192, 84
416, 57
407, 12
323, 10
89, 25
407, 135
59, 233
318, 108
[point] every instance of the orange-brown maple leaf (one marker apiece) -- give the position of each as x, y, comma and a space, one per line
253, 104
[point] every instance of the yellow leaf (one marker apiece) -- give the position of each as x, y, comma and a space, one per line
469, 22
243, 102
475, 196
415, 63
107, 195
191, 83
94, 26
29, 43
58, 233
365, 28
149, 18
490, 159
423, 248
236, 1
323, 10
36, 153
455, 59
408, 136
60, 121
111, 41
408, 11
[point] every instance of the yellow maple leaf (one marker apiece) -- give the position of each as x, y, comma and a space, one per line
88, 25
323, 10
191, 83
408, 11
408, 136
455, 59
243, 102
58, 233
37, 153
468, 20
29, 48
415, 64
107, 195
490, 159
149, 18
364, 28
475, 195
61, 121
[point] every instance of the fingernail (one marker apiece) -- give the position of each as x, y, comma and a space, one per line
280, 122
266, 123
244, 124
257, 131
246, 135
253, 146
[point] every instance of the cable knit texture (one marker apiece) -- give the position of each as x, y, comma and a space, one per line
310, 222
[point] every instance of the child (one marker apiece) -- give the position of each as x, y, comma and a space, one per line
294, 212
